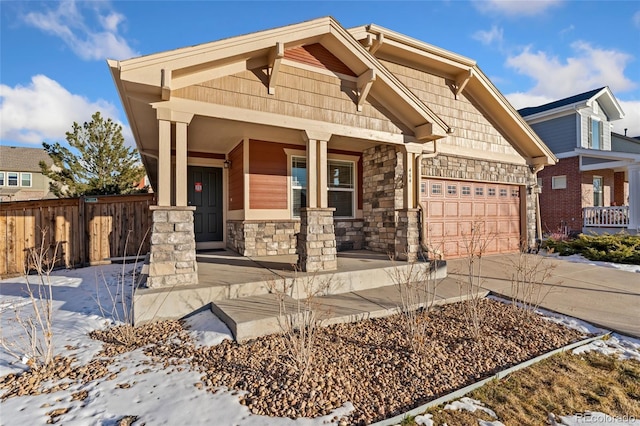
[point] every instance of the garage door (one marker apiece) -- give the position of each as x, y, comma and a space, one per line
453, 207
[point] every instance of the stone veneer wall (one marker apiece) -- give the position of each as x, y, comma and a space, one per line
266, 238
382, 196
447, 166
317, 240
263, 238
172, 259
349, 234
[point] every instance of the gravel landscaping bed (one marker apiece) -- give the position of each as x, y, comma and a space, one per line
368, 363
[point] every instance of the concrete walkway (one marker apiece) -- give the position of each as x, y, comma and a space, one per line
603, 296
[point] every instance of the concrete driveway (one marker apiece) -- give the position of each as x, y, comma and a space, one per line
603, 296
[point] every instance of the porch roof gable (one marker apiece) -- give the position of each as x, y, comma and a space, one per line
151, 78
466, 76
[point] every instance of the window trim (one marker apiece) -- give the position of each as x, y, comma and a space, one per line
601, 192
354, 206
557, 182
357, 211
22, 174
17, 179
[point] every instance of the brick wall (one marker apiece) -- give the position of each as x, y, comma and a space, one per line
561, 208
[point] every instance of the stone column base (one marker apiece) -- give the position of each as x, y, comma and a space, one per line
317, 240
407, 235
172, 261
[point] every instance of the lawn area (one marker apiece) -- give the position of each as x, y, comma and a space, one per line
563, 384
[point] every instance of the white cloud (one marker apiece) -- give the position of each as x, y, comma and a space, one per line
44, 111
588, 68
86, 41
495, 34
631, 120
515, 7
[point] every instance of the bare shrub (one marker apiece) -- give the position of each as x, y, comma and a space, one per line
529, 285
416, 283
32, 343
475, 242
119, 306
300, 318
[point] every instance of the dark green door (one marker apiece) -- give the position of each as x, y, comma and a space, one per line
205, 193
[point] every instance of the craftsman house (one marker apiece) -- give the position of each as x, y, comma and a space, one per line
596, 184
20, 175
313, 139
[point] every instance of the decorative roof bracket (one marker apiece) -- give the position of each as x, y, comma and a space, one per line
375, 44
365, 81
461, 81
165, 84
275, 58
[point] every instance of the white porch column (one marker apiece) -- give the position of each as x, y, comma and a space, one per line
164, 163
181, 164
411, 176
634, 196
312, 173
322, 174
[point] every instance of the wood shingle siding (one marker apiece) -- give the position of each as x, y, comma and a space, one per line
472, 129
300, 93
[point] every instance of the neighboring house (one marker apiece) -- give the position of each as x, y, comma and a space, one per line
312, 139
596, 184
20, 175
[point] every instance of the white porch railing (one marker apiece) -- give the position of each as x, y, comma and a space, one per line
613, 217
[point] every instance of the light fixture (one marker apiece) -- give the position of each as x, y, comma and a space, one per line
227, 164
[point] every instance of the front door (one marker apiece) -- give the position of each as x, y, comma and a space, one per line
205, 193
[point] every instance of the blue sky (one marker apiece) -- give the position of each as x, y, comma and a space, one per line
53, 54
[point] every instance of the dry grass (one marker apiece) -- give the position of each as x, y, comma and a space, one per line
564, 384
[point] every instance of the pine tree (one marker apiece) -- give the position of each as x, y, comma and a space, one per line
98, 164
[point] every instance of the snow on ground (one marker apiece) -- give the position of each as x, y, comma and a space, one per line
471, 405
577, 258
157, 396
84, 301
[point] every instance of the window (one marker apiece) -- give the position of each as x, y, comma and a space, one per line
598, 199
466, 190
452, 190
539, 182
1, 178
595, 133
340, 176
436, 189
12, 179
479, 191
559, 182
423, 187
491, 192
25, 179
503, 192
515, 192
298, 184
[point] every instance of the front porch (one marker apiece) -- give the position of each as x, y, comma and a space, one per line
609, 220
225, 276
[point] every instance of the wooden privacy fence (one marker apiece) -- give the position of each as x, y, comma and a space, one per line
88, 230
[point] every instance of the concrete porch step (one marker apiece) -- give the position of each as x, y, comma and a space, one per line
260, 315
228, 275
